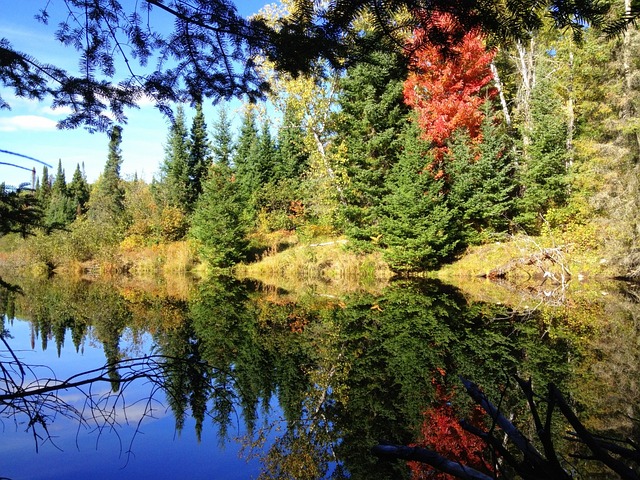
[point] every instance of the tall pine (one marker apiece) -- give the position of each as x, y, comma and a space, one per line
369, 128
106, 204
199, 156
418, 230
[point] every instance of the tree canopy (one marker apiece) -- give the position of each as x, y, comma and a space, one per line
172, 50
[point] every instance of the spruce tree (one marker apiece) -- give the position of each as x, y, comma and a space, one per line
481, 185
244, 159
417, 228
106, 204
78, 190
174, 186
217, 223
543, 171
369, 127
266, 157
60, 211
222, 147
43, 190
199, 156
292, 156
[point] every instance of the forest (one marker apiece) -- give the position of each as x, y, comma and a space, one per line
414, 158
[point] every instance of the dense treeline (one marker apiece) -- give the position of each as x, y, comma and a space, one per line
416, 157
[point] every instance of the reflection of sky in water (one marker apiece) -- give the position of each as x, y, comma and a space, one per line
157, 451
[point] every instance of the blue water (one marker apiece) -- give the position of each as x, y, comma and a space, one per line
157, 451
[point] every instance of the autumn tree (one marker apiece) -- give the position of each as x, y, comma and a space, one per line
442, 432
447, 89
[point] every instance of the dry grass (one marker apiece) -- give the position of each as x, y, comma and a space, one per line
321, 264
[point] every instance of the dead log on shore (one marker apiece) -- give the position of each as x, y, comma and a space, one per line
542, 260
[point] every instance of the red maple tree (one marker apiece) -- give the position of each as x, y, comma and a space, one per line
448, 87
441, 432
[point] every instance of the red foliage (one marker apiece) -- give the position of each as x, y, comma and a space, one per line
448, 87
442, 433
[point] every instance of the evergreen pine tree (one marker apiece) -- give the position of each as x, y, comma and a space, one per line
292, 156
174, 186
43, 190
106, 203
78, 190
543, 173
417, 227
244, 159
60, 211
369, 126
222, 147
199, 156
266, 157
481, 184
217, 223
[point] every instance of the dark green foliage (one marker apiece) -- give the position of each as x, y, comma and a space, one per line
61, 209
369, 125
292, 157
266, 156
276, 205
481, 182
217, 222
542, 175
417, 226
174, 186
222, 147
106, 204
43, 188
199, 156
245, 157
19, 211
78, 190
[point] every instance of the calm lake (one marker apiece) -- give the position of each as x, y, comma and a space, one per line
233, 379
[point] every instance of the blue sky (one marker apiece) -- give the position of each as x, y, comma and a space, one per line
29, 128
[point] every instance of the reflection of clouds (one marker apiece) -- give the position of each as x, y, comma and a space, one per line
26, 122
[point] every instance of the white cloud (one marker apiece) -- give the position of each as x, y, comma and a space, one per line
26, 122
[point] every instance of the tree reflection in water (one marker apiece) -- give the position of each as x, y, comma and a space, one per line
344, 371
